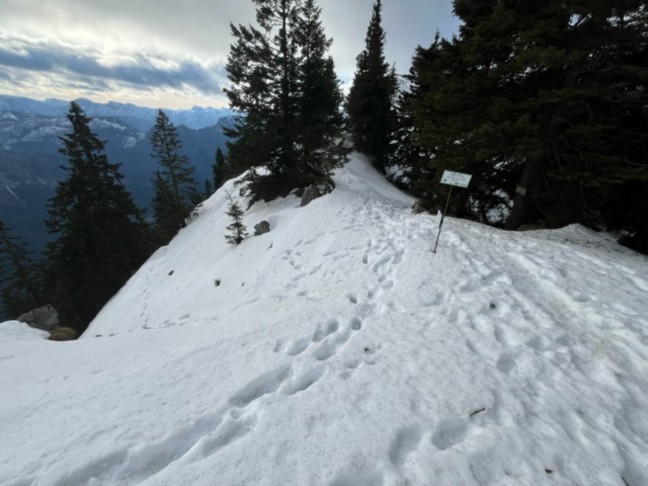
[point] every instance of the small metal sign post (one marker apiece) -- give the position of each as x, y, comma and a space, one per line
452, 179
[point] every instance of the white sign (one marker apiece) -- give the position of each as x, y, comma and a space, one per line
458, 179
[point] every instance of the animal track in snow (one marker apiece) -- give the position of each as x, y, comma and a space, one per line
506, 362
450, 432
331, 345
264, 384
356, 324
305, 381
226, 433
407, 440
298, 346
321, 332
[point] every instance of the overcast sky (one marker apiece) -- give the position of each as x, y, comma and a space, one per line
171, 53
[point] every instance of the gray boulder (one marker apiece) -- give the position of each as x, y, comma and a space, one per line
261, 228
45, 318
310, 193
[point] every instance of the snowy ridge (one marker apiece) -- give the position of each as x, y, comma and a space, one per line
339, 350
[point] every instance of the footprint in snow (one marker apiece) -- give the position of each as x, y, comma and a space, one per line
506, 362
406, 441
298, 346
262, 385
305, 380
322, 331
450, 432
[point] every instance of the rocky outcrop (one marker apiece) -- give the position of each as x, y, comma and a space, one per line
261, 228
45, 318
310, 193
313, 192
64, 334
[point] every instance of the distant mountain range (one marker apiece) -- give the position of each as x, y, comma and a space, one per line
30, 161
137, 117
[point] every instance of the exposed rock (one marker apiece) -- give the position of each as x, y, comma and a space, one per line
45, 318
261, 228
310, 193
64, 334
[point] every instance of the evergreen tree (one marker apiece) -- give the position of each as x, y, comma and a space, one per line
101, 237
175, 186
219, 169
208, 189
543, 102
237, 230
320, 98
372, 96
21, 276
409, 156
275, 72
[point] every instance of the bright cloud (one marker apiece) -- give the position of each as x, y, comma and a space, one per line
130, 50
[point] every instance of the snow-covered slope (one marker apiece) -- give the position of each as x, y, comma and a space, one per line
339, 350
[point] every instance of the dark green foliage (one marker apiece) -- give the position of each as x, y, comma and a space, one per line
175, 187
219, 169
409, 156
285, 89
208, 189
370, 103
21, 275
544, 103
320, 119
237, 230
101, 237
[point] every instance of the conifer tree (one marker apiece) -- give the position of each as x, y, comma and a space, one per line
175, 186
414, 172
21, 275
101, 237
237, 230
219, 168
372, 96
275, 71
544, 104
320, 99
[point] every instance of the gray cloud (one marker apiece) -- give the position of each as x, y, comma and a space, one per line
138, 70
178, 48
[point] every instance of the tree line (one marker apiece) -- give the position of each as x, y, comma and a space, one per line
544, 103
100, 236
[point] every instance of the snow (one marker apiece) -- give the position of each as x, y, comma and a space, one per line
339, 350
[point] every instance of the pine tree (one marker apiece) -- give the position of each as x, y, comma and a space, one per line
219, 169
21, 275
237, 230
275, 72
409, 156
101, 237
370, 103
175, 186
543, 103
320, 99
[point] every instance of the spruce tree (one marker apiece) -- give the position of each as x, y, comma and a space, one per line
101, 238
409, 156
219, 169
544, 104
175, 186
237, 230
275, 72
320, 99
370, 103
21, 275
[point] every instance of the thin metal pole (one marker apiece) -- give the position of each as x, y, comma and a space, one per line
445, 210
